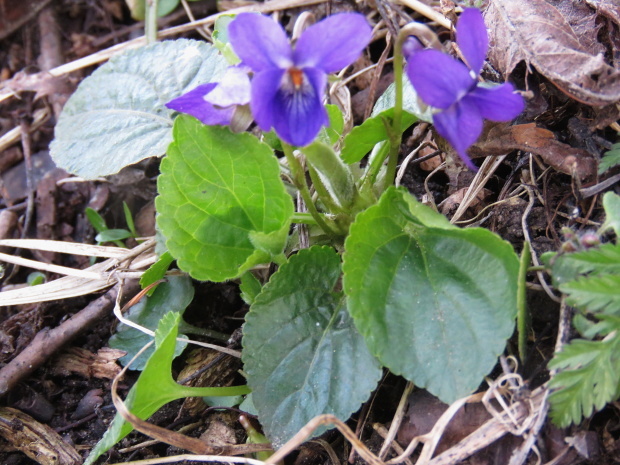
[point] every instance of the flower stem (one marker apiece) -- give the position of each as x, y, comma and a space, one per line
429, 39
396, 133
150, 21
299, 178
303, 218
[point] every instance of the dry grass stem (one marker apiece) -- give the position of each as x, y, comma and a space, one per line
106, 54
428, 12
397, 420
488, 168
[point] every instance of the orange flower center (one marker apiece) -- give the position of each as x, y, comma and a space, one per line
297, 77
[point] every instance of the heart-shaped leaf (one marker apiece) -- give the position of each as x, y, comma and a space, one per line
117, 116
302, 353
222, 205
435, 303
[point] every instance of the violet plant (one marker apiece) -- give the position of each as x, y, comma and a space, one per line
367, 276
449, 85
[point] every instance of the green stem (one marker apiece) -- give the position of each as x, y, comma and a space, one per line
150, 21
303, 218
429, 38
396, 133
299, 178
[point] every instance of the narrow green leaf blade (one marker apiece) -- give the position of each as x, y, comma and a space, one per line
117, 116
157, 270
222, 205
435, 304
96, 220
302, 353
112, 235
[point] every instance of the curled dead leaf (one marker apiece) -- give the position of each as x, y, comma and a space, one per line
542, 142
536, 32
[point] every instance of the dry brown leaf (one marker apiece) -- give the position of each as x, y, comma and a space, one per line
582, 20
502, 139
536, 32
608, 8
42, 83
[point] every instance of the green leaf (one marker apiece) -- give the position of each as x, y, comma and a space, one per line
157, 270
221, 41
331, 134
35, 278
567, 267
171, 296
611, 204
411, 103
129, 219
111, 235
138, 8
117, 116
302, 354
250, 287
595, 293
364, 137
610, 159
155, 387
222, 205
588, 378
434, 303
333, 174
96, 220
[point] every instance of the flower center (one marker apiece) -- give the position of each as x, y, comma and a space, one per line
297, 77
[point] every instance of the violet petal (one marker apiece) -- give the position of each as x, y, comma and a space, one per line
411, 46
260, 42
460, 125
439, 79
194, 104
233, 89
265, 86
299, 114
333, 43
499, 103
472, 38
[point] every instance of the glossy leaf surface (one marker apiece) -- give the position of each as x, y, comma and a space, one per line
221, 203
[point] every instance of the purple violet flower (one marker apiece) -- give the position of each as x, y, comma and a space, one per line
445, 83
215, 103
289, 84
